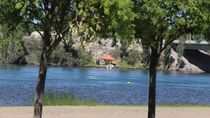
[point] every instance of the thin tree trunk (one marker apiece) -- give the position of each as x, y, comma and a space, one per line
40, 85
152, 82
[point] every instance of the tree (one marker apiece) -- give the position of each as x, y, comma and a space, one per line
158, 24
49, 16
205, 6
56, 17
180, 51
12, 47
107, 19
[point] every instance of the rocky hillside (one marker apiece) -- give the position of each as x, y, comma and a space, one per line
182, 63
79, 55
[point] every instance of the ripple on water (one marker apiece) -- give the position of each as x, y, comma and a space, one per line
17, 85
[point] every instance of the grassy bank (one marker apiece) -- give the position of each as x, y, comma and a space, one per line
64, 99
55, 99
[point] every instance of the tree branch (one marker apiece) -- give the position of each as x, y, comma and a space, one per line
166, 44
170, 41
161, 45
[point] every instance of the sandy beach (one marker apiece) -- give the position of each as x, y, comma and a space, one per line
105, 112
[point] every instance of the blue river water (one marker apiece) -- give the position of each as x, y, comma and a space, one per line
17, 85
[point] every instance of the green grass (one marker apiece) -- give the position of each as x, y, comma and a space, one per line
64, 99
54, 99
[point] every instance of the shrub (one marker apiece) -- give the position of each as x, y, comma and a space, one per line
11, 47
57, 56
145, 57
133, 57
85, 57
116, 53
166, 58
60, 57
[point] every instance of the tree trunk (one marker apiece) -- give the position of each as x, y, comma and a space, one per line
41, 84
152, 82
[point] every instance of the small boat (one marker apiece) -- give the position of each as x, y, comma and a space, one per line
110, 66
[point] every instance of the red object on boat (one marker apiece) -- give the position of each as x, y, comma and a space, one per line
108, 58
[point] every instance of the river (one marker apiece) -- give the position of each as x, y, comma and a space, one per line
120, 87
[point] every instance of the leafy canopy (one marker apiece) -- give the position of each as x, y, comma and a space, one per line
168, 20
102, 18
107, 18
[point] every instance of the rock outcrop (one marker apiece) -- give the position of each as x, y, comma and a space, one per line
187, 67
189, 62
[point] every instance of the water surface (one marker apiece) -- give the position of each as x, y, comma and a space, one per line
17, 85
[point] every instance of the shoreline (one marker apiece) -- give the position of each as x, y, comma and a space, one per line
116, 106
118, 68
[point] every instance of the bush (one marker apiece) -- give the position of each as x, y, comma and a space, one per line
33, 58
116, 53
60, 57
11, 48
84, 57
133, 57
145, 57
166, 58
57, 56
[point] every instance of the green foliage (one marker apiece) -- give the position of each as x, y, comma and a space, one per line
34, 57
33, 47
198, 38
121, 16
145, 56
168, 20
57, 55
4, 41
205, 7
180, 46
64, 99
106, 18
166, 58
103, 18
133, 57
123, 64
11, 47
47, 16
159, 23
167, 52
61, 57
84, 57
116, 53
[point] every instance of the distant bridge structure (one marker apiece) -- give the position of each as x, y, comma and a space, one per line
189, 44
